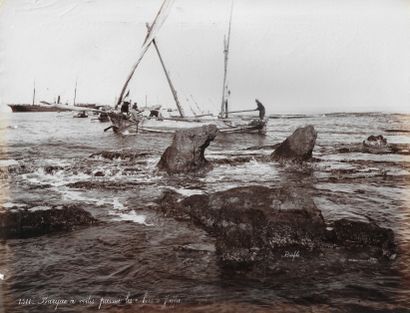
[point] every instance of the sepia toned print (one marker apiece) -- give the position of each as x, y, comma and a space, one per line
204, 156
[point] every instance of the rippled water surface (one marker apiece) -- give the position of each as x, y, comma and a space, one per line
47, 159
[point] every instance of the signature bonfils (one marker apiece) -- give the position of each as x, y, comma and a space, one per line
291, 255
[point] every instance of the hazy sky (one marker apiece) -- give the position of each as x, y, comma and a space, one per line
294, 55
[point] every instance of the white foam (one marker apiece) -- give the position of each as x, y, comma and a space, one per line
131, 216
69, 195
187, 192
8, 205
8, 163
40, 208
117, 205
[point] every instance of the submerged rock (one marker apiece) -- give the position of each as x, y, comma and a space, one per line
297, 147
375, 145
261, 225
23, 223
375, 141
186, 153
361, 235
120, 155
52, 169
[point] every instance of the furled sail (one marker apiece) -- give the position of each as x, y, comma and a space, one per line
154, 29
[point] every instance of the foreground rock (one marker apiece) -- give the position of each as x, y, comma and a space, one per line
297, 147
186, 153
260, 225
23, 223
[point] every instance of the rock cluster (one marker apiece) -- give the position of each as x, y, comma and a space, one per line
23, 223
257, 224
375, 145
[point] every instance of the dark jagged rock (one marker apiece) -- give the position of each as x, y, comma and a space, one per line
113, 185
297, 147
52, 169
186, 153
16, 169
253, 223
375, 145
375, 141
170, 206
260, 225
23, 223
99, 174
234, 160
123, 155
364, 235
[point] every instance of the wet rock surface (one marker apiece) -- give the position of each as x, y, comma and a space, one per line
336, 276
186, 153
122, 155
39, 220
265, 226
375, 141
361, 235
297, 147
375, 145
105, 184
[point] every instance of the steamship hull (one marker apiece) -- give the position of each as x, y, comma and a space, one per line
21, 108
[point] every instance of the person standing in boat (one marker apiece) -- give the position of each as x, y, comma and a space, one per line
261, 109
226, 103
125, 107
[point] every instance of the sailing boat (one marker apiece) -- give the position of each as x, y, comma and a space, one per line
155, 123
238, 125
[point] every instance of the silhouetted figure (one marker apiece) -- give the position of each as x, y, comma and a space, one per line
154, 113
261, 109
125, 107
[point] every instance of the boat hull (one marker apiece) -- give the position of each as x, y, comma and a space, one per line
22, 108
130, 123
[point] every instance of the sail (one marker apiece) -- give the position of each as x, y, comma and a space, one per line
154, 29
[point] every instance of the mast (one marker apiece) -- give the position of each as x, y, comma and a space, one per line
34, 92
224, 110
75, 92
174, 92
155, 26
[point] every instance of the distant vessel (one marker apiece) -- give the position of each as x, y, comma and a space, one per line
48, 107
33, 107
20, 108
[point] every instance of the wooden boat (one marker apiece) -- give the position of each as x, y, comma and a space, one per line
81, 114
137, 122
256, 124
103, 117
